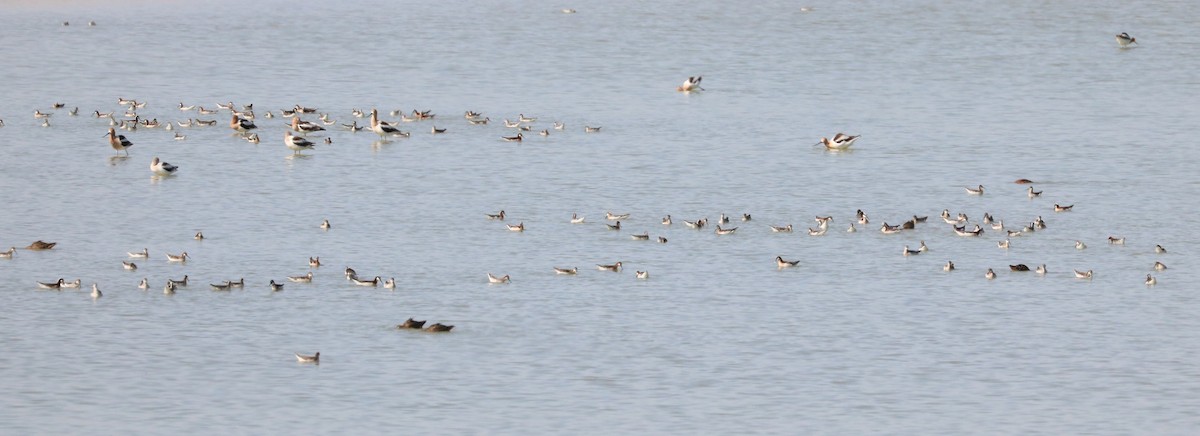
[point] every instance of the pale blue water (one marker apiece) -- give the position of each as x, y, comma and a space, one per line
857, 339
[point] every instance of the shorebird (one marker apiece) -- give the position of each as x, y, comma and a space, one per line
481, 122
1159, 249
162, 168
644, 236
438, 327
746, 217
840, 141
223, 286
1150, 280
851, 229
1058, 208
182, 257
1159, 266
576, 219
613, 226
1083, 274
1031, 193
199, 236
180, 282
307, 278
690, 85
314, 261
780, 263
502, 279
129, 265
908, 252
390, 283
615, 217
588, 129
325, 225
886, 229
8, 254
381, 128
75, 284
373, 282
616, 267
976, 191
1019, 267
517, 138
1124, 40
435, 130
411, 324
141, 254
559, 125
169, 289
241, 124
316, 358
666, 220
728, 231
1003, 244
96, 291
814, 232
51, 285
118, 142
782, 229
144, 284
524, 119
296, 143
496, 216
240, 283
276, 287
39, 245
923, 248
1079, 245
520, 227
662, 240
990, 274
566, 271
641, 275
1113, 240
949, 266
1041, 269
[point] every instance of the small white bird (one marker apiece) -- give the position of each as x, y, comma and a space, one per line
1124, 40
325, 224
949, 266
315, 358
143, 254
642, 275
1150, 280
990, 274
129, 265
162, 168
690, 85
97, 294
182, 257
1083, 274
576, 219
976, 191
307, 278
502, 279
566, 271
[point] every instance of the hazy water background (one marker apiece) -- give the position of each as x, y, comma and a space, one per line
857, 340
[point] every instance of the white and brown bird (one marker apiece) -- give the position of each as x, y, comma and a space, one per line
118, 142
690, 85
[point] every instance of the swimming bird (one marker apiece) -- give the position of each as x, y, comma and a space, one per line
186, 108
1019, 267
1058, 208
75, 284
39, 245
1079, 245
199, 236
962, 231
566, 271
908, 252
559, 126
223, 286
949, 266
51, 285
8, 254
520, 227
813, 232
923, 248
1083, 274
96, 291
1041, 269
314, 261
1159, 249
524, 119
690, 85
435, 130
1015, 233
169, 289
780, 263
616, 267
998, 225
180, 282
662, 240
496, 216
129, 265
511, 124
180, 137
613, 226
1159, 266
575, 219
502, 279
144, 284
182, 257
142, 254
40, 115
887, 230
411, 324
728, 231
1113, 240
316, 358
307, 278
990, 274
851, 229
1039, 223
1150, 280
240, 283
1124, 40
746, 217
241, 124
481, 122
353, 126
517, 138
588, 129
1031, 193
118, 142
666, 220
276, 287
782, 229
840, 141
325, 225
438, 327
296, 143
373, 282
615, 217
976, 191
1003, 244
162, 168
641, 275
645, 236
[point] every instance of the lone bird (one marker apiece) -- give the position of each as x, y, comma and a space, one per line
118, 142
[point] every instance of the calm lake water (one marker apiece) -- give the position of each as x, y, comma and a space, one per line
856, 339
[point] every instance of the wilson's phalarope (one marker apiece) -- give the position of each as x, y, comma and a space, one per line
520, 227
182, 257
662, 240
390, 283
1159, 249
949, 266
223, 286
325, 225
75, 284
517, 138
438, 327
1041, 269
782, 229
566, 271
1058, 208
240, 283
314, 261
411, 324
496, 216
502, 279
559, 126
8, 254
1083, 274
666, 220
316, 358
616, 267
887, 230
588, 129
641, 275
614, 226
480, 122
307, 278
976, 191
1031, 193
142, 254
1003, 244
276, 287
908, 252
923, 248
990, 274
296, 143
690, 85
524, 119
851, 229
1113, 240
780, 263
144, 284
576, 219
814, 232
644, 236
615, 217
435, 130
169, 289
1150, 280
1015, 233
1159, 266
51, 285
130, 266
728, 231
96, 291
350, 273
1124, 40
180, 282
1079, 245
118, 142
1019, 267
373, 282
162, 168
